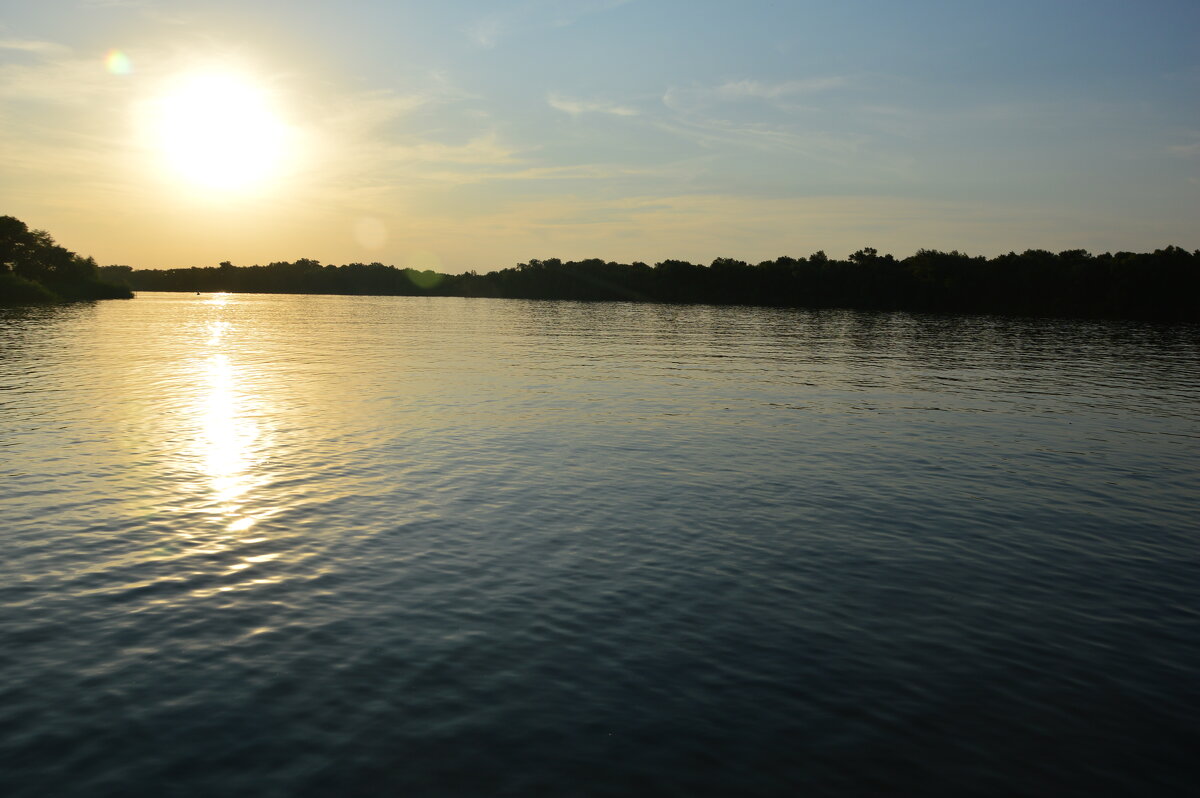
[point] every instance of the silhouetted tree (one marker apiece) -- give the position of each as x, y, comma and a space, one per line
1164, 284
35, 268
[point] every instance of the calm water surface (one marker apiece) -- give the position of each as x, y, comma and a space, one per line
310, 546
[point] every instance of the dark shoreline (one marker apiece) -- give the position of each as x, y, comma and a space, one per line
1160, 286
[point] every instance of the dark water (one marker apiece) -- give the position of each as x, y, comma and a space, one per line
310, 546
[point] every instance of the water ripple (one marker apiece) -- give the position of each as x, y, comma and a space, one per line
307, 546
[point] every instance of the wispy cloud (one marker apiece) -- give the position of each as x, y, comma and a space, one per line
482, 150
1189, 149
921, 119
703, 115
33, 46
781, 95
566, 12
576, 107
115, 3
55, 76
487, 31
65, 137
754, 89
810, 144
533, 174
370, 154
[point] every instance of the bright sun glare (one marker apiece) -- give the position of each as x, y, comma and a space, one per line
219, 131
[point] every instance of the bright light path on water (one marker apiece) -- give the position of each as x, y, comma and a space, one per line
228, 434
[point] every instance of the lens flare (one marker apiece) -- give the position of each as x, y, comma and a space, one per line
423, 265
117, 63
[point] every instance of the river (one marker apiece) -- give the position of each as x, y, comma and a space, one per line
311, 545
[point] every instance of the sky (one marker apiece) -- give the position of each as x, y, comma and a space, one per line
464, 135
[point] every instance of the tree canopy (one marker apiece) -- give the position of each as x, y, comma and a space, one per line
34, 268
1164, 284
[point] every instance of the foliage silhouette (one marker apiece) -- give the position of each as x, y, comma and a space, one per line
33, 268
1164, 284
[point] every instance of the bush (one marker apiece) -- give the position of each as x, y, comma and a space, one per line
16, 290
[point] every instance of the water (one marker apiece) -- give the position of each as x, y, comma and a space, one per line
311, 546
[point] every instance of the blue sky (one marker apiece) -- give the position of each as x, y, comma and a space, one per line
460, 135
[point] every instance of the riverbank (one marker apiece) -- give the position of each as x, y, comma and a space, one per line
17, 290
34, 269
1161, 285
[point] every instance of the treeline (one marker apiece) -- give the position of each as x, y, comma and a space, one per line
1164, 284
33, 268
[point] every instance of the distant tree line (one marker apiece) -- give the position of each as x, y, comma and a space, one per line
1164, 284
33, 268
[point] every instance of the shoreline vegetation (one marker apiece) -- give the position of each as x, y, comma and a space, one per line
34, 269
1161, 285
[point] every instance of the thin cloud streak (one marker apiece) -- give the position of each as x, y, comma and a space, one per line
578, 107
488, 31
742, 89
33, 46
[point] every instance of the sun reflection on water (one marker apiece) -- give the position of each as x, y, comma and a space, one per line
228, 438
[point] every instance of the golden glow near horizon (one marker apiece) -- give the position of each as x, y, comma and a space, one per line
219, 131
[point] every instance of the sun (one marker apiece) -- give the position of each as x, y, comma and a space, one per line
219, 131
